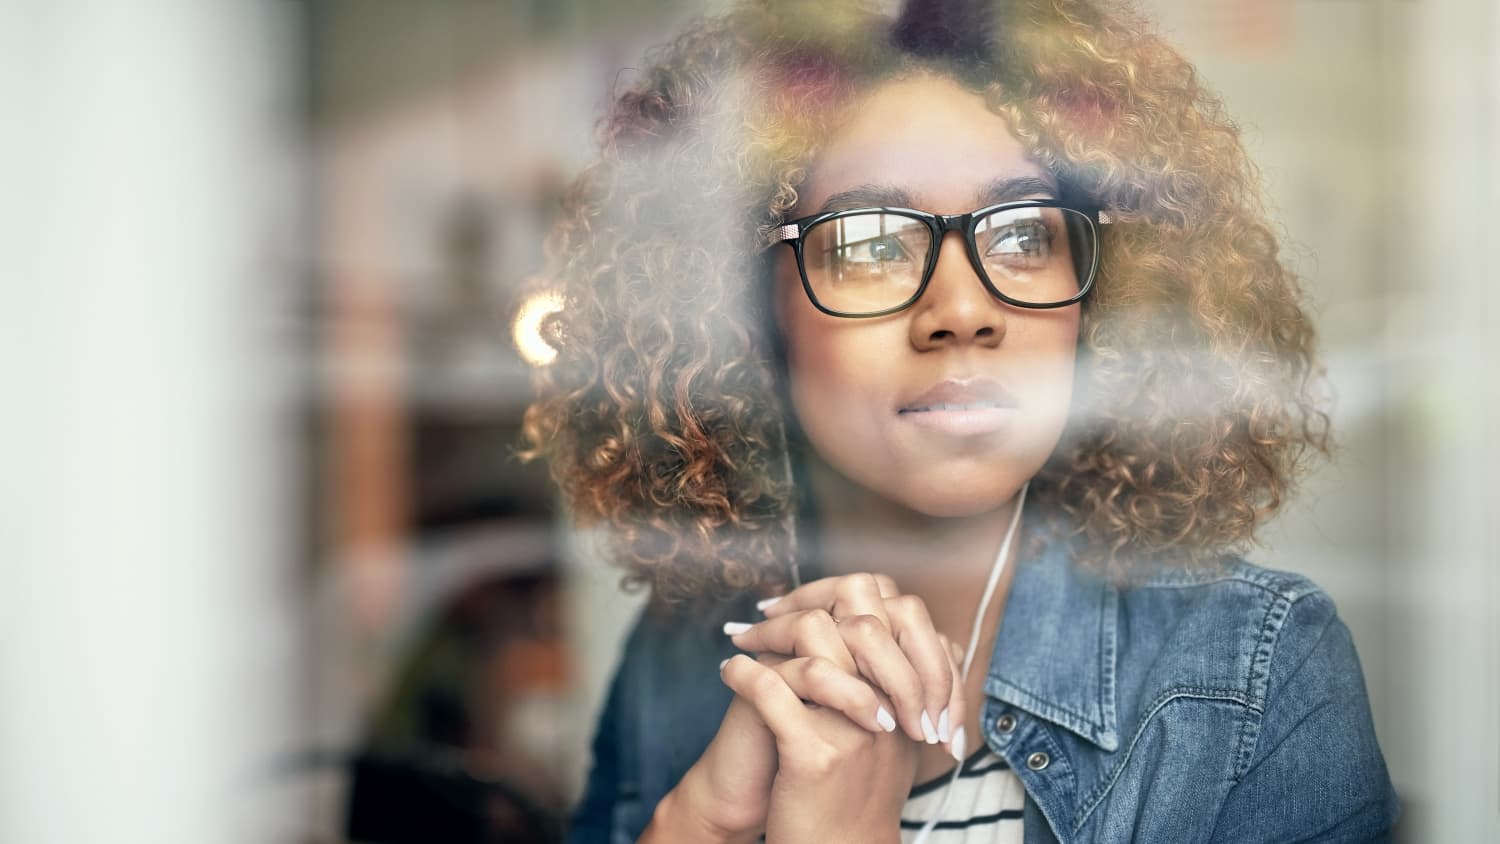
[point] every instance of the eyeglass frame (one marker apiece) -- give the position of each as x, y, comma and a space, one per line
794, 234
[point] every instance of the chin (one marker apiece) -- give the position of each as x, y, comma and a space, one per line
945, 499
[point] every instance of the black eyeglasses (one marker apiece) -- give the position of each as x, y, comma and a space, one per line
869, 262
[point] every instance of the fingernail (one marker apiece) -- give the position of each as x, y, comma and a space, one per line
927, 731
734, 628
761, 605
958, 744
883, 716
722, 664
943, 733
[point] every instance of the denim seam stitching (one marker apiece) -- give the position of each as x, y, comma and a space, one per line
1177, 693
1257, 681
1036, 705
1108, 635
1096, 730
1292, 589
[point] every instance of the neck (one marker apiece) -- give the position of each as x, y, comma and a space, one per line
945, 561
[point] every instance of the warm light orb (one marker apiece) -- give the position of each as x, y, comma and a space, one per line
527, 329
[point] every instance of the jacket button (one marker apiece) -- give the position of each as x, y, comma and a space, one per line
1006, 723
1038, 760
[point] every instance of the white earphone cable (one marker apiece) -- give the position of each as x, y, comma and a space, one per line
984, 604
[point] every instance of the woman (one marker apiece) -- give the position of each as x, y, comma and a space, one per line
951, 338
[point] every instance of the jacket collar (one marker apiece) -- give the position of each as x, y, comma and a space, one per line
1055, 654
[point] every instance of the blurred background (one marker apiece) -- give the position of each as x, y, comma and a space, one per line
271, 570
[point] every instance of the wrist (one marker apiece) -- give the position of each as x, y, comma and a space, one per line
678, 817
785, 830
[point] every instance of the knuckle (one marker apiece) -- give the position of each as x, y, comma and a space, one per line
818, 671
863, 625
821, 759
771, 660
764, 684
919, 610
886, 584
815, 619
899, 604
910, 607
823, 762
862, 583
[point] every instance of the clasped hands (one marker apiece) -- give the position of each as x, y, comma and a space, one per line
821, 740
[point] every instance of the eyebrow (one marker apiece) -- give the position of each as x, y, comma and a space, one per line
866, 196
1004, 189
1022, 187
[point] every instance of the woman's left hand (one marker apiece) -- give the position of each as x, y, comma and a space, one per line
836, 780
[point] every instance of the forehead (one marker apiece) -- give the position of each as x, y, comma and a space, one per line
925, 135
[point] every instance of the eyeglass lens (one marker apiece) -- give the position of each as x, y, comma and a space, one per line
870, 262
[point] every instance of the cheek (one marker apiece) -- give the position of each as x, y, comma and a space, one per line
834, 373
827, 357
1044, 350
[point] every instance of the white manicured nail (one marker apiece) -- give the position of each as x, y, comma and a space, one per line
762, 604
734, 628
927, 731
722, 664
957, 746
887, 723
943, 734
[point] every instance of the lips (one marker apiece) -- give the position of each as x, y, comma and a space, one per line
961, 407
961, 394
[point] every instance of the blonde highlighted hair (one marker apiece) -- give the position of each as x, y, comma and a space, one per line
1197, 397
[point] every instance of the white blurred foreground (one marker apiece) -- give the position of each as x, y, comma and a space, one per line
146, 632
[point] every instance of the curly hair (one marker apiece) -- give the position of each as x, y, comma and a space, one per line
1197, 401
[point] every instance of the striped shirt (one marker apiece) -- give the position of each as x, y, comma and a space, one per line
985, 807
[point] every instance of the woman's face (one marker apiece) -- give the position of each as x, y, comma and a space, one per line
947, 407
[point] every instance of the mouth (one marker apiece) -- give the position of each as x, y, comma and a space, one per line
961, 394
961, 406
973, 405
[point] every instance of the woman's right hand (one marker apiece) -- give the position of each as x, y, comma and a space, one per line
726, 794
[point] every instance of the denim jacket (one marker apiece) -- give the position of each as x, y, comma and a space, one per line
1221, 705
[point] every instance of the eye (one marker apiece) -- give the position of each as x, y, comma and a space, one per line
876, 250
1027, 243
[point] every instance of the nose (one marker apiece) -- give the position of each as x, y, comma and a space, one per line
956, 309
